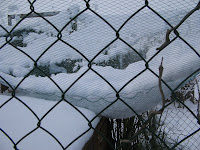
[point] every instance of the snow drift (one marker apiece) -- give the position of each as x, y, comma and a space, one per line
85, 87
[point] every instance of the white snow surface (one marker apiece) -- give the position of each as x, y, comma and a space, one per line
64, 122
93, 34
179, 123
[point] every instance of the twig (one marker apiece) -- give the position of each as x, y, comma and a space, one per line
137, 133
160, 83
161, 90
198, 104
167, 39
152, 112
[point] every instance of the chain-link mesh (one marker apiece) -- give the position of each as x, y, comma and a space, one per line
127, 37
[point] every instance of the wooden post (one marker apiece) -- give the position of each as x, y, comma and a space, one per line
97, 142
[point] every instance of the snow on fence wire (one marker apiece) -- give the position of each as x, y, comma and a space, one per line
135, 60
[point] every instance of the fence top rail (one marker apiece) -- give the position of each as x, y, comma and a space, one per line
32, 15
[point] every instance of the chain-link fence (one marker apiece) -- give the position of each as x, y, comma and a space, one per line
134, 63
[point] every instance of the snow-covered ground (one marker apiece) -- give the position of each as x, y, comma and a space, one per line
64, 122
178, 123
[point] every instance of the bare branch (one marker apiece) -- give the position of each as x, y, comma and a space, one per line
161, 90
160, 83
167, 40
198, 104
152, 112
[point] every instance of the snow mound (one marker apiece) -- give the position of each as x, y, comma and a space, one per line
96, 85
93, 93
63, 122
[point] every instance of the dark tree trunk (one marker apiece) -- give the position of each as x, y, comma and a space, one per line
97, 141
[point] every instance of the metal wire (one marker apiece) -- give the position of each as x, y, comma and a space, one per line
146, 123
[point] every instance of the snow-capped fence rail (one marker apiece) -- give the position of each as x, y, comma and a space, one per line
65, 64
44, 14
